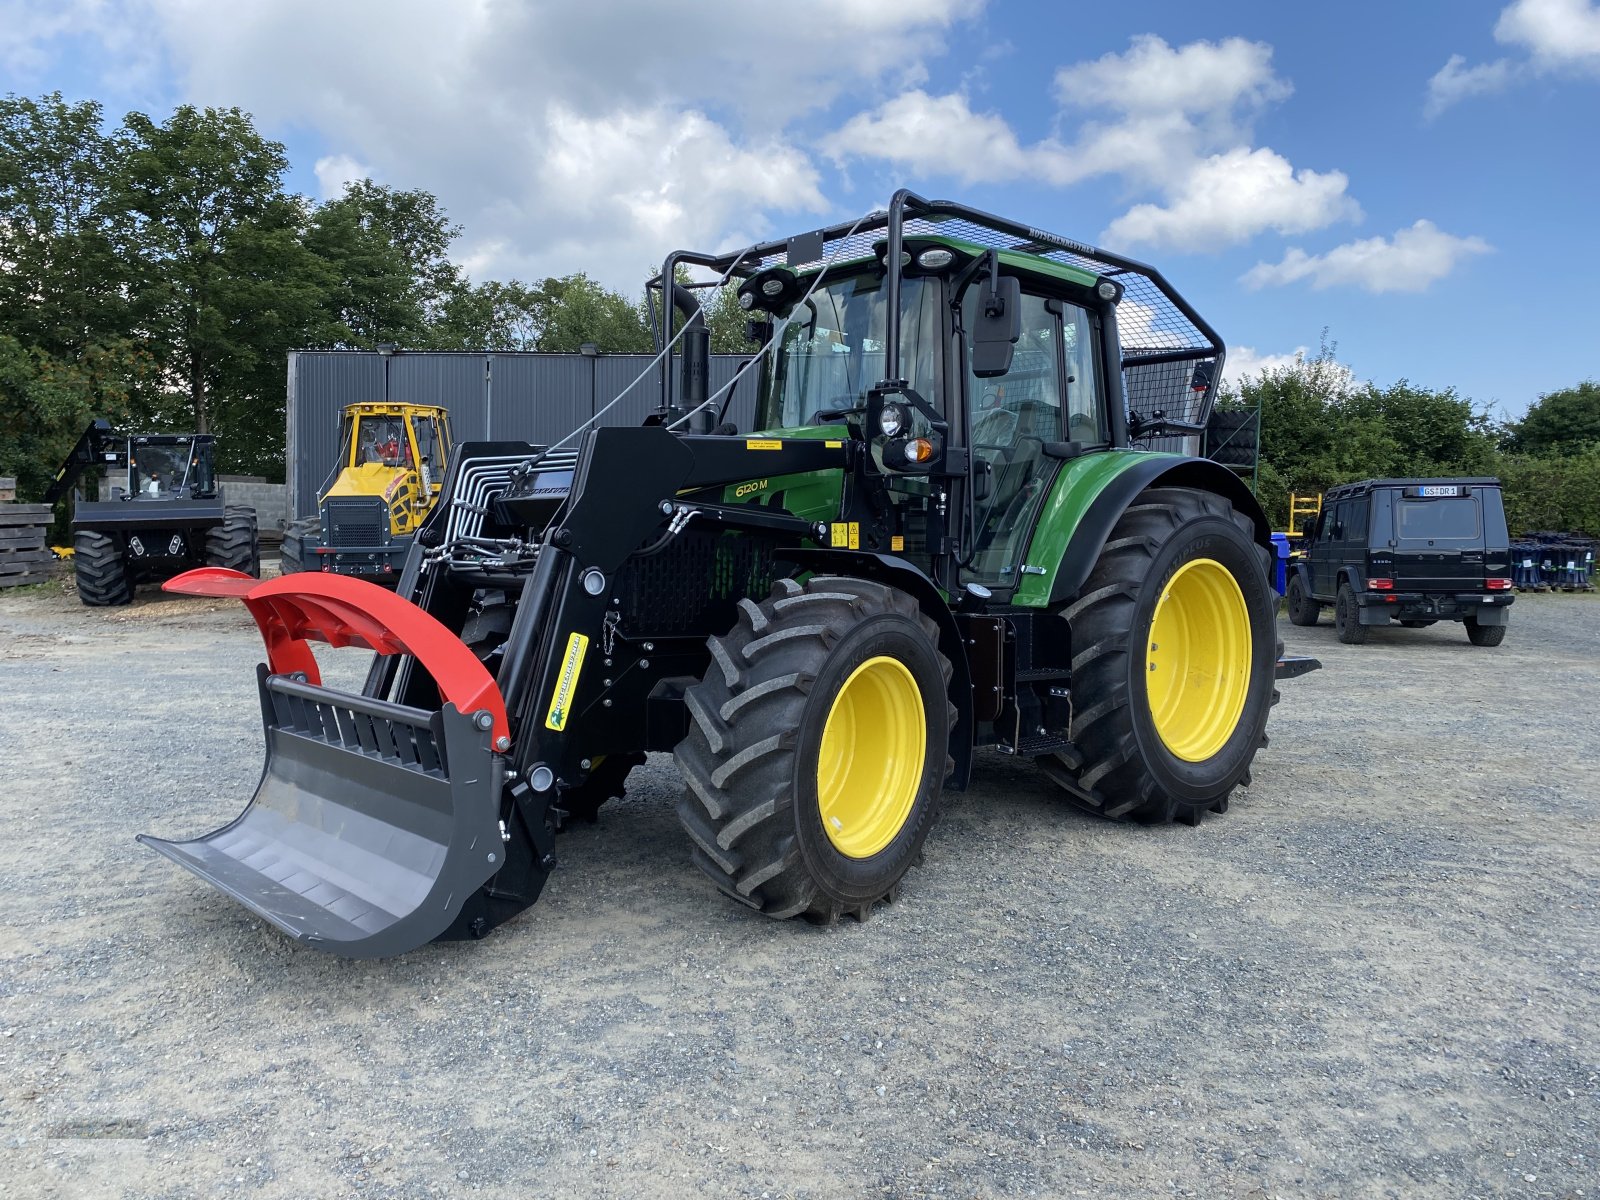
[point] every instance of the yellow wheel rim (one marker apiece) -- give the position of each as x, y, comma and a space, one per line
869, 766
1197, 661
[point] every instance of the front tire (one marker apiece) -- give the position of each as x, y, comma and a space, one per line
1303, 610
817, 748
1174, 646
101, 573
1347, 617
235, 543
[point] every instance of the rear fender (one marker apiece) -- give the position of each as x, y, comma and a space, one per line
898, 573
1085, 505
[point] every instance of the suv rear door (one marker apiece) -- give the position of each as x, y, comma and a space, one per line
1438, 539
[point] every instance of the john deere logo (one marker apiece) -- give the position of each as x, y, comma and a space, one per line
567, 683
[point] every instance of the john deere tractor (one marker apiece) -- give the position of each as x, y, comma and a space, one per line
942, 534
392, 464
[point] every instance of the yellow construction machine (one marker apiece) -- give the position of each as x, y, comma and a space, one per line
392, 463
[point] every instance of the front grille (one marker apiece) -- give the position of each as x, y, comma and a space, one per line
692, 585
356, 523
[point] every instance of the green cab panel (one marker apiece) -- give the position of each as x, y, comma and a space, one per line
1077, 485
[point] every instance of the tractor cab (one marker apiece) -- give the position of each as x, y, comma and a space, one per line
1003, 378
170, 467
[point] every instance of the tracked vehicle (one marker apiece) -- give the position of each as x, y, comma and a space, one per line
941, 534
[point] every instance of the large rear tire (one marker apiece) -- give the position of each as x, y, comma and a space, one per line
817, 748
1174, 649
235, 544
98, 567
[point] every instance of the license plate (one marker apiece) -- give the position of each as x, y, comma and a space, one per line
1439, 489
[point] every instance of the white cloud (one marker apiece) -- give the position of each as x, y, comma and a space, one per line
1412, 261
335, 172
1231, 197
561, 137
941, 135
1199, 78
1177, 120
1558, 33
1244, 363
1456, 81
1558, 36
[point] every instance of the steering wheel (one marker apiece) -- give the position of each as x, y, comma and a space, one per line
851, 407
995, 429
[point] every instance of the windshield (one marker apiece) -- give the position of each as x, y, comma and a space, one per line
163, 471
383, 440
1434, 520
831, 350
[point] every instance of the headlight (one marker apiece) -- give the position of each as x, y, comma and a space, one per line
747, 300
1107, 290
892, 420
936, 259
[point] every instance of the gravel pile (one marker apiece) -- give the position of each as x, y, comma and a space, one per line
1375, 977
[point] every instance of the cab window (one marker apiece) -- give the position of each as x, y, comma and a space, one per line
1086, 419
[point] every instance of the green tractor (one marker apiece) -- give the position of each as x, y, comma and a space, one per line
944, 532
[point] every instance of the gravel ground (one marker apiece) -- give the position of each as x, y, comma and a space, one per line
1375, 977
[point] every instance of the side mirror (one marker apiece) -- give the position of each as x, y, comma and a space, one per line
999, 325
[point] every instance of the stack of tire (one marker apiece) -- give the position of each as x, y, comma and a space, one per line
1231, 438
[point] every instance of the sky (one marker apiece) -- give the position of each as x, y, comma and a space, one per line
1397, 172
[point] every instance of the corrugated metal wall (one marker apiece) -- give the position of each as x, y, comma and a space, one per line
527, 397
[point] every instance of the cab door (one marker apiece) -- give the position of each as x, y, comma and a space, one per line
1050, 394
433, 451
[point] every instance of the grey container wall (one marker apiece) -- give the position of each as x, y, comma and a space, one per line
537, 398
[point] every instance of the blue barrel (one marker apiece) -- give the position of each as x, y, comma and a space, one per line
1280, 572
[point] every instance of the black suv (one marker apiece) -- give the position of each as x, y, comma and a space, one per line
1409, 550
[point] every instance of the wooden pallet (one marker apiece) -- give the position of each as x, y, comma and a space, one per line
24, 558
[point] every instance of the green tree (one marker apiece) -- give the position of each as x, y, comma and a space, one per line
61, 277
66, 354
1555, 492
223, 285
491, 316
579, 310
1560, 422
391, 278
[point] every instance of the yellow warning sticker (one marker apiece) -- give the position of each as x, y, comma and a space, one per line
839, 535
762, 444
567, 683
855, 535
833, 445
897, 543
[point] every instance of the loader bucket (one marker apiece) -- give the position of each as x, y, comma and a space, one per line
373, 822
